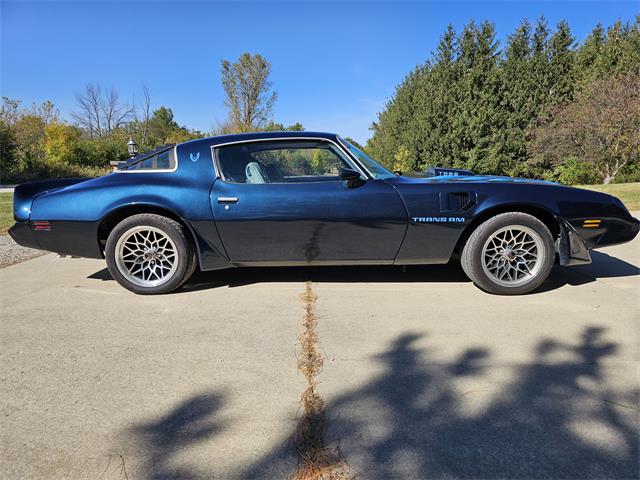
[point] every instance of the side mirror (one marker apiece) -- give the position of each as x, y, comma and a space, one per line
348, 174
351, 177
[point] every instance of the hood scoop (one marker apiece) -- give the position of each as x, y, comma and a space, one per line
448, 172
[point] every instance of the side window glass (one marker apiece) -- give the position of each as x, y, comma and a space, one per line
280, 162
146, 164
164, 160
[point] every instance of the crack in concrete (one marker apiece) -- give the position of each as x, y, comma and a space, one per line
316, 461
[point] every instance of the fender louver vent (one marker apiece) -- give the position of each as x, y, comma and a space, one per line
456, 201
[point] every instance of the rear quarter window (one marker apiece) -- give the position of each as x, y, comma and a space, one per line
161, 161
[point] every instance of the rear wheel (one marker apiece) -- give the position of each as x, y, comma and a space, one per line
149, 254
509, 254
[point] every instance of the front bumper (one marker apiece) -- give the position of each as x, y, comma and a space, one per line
576, 239
619, 231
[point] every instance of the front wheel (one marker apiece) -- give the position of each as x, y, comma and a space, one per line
509, 254
149, 254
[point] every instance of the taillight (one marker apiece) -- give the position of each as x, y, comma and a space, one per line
43, 225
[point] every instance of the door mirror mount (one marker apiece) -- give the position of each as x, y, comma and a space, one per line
351, 177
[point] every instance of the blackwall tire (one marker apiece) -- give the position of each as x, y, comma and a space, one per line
509, 254
150, 254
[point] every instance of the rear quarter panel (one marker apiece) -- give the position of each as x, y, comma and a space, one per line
77, 210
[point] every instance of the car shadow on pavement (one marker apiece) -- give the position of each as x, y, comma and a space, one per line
557, 419
238, 277
603, 266
345, 274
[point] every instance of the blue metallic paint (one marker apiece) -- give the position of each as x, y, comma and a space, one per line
316, 222
308, 223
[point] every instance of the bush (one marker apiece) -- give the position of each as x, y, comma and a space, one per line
574, 171
60, 144
629, 173
8, 164
56, 171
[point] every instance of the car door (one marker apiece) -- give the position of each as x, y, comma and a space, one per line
283, 202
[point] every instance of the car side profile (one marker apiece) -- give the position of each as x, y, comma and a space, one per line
305, 198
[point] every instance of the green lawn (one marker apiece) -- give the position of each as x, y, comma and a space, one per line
6, 212
629, 193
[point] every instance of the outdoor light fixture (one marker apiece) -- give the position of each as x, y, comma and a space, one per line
132, 147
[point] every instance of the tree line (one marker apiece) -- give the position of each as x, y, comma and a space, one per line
542, 106
35, 142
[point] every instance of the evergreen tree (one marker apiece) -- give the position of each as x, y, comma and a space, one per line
589, 54
561, 59
476, 106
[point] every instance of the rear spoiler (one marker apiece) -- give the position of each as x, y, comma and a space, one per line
443, 172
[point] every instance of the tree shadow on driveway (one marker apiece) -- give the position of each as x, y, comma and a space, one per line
558, 419
159, 441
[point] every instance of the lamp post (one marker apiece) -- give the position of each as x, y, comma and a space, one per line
132, 148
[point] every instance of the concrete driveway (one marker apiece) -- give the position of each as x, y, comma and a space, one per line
424, 376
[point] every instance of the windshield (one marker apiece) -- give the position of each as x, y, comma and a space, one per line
376, 170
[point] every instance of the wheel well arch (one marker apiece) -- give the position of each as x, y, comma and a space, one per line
545, 216
111, 219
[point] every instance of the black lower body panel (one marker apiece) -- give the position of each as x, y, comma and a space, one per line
69, 238
23, 235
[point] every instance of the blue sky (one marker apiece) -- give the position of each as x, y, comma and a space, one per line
334, 63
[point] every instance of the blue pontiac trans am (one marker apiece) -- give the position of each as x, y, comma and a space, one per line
303, 198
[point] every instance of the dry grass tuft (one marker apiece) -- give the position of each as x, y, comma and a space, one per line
315, 460
310, 359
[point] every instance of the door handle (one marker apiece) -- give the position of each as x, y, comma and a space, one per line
227, 199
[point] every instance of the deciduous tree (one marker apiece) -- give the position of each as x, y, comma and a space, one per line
101, 112
248, 90
601, 127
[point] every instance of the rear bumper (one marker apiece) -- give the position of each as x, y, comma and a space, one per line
69, 238
23, 235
